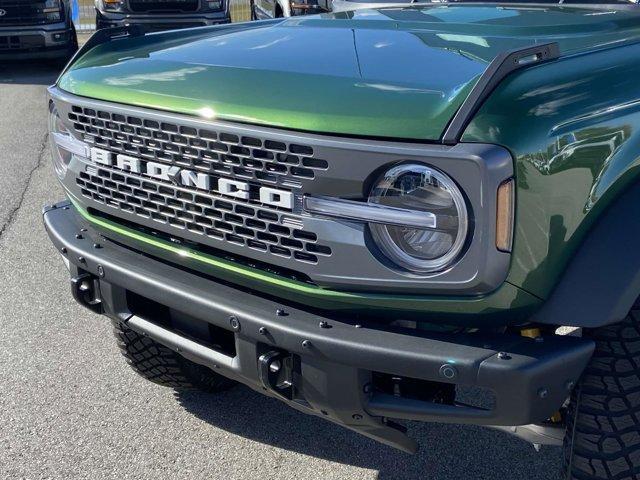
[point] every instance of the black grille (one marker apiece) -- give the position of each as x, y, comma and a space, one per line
18, 13
214, 218
21, 42
216, 152
165, 6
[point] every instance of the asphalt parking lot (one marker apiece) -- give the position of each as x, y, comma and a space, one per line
70, 407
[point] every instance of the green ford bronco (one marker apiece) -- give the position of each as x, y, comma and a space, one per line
375, 216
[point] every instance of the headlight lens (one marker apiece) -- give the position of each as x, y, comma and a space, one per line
59, 155
424, 189
112, 4
52, 10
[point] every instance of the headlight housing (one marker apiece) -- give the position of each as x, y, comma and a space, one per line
59, 155
52, 9
112, 5
63, 145
421, 188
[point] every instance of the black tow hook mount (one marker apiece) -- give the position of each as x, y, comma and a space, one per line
276, 372
85, 290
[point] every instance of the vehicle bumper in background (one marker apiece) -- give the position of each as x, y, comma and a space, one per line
48, 41
163, 22
336, 366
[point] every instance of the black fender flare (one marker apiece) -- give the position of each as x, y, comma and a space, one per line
602, 281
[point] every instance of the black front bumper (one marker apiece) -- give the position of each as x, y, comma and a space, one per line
37, 41
156, 22
334, 360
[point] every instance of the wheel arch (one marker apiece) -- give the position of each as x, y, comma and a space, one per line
602, 281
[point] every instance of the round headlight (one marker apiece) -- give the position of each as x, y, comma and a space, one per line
59, 155
422, 189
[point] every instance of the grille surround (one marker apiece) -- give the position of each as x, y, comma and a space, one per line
354, 264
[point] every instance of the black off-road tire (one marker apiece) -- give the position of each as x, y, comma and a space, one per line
603, 418
163, 366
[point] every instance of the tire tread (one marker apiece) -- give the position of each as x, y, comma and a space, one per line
159, 364
603, 417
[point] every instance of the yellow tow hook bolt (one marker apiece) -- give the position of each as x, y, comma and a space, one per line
530, 332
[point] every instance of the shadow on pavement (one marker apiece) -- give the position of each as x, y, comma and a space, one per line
447, 452
30, 72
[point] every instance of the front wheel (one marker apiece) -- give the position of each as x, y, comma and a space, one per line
602, 441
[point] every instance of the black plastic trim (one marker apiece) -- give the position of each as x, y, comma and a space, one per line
602, 281
500, 67
530, 378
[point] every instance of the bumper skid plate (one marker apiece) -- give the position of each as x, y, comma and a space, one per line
322, 366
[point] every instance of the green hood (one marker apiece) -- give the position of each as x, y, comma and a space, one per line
395, 72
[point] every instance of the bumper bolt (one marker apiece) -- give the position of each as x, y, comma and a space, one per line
281, 312
275, 367
83, 229
63, 250
306, 344
448, 371
263, 330
82, 260
97, 245
504, 356
100, 271
543, 393
235, 323
324, 324
356, 416
79, 237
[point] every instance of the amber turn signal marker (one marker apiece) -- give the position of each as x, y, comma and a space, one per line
504, 216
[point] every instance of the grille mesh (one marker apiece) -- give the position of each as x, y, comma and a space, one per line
159, 6
217, 152
20, 12
211, 215
202, 214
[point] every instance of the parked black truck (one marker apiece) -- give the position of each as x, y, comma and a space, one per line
161, 14
41, 28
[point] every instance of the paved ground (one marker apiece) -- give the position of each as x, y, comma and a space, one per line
71, 408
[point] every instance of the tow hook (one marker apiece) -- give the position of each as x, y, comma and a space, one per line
276, 372
85, 290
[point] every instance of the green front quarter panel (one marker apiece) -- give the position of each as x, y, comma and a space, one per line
573, 127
